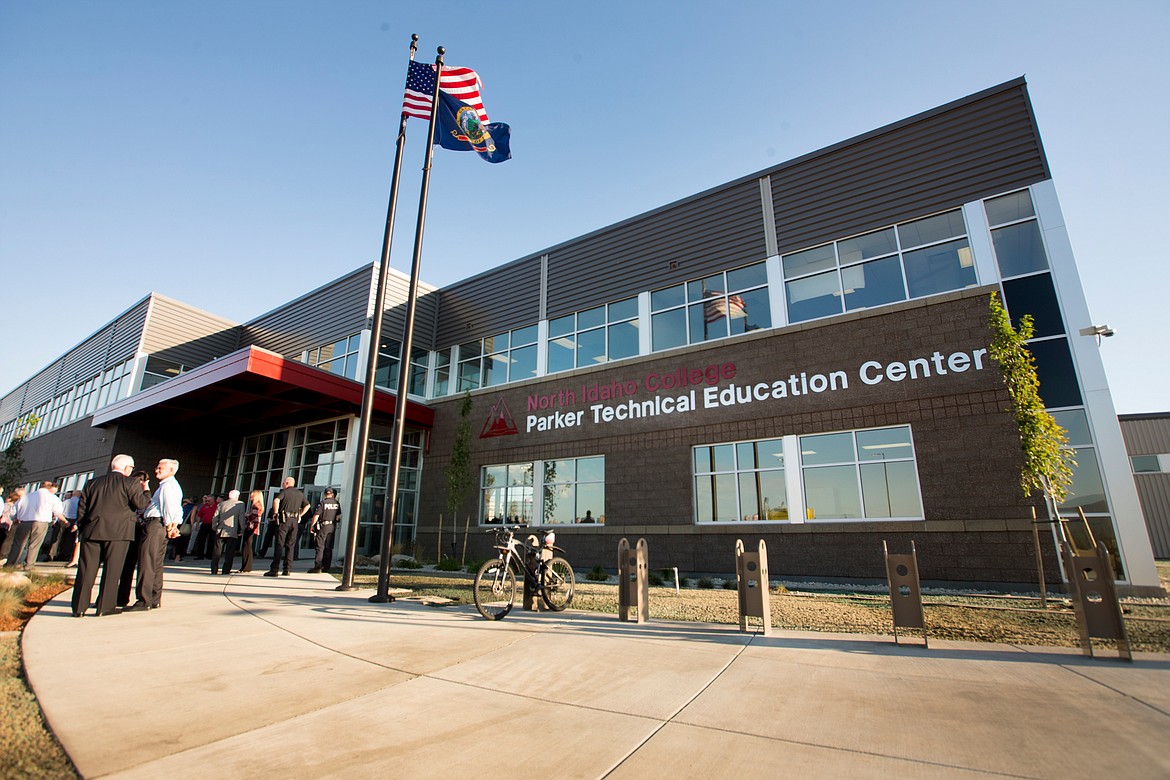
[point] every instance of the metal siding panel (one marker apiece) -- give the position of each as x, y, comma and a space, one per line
43, 386
187, 335
338, 309
490, 303
720, 229
940, 161
394, 313
1154, 495
126, 335
1146, 436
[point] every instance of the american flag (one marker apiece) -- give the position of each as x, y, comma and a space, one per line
460, 83
717, 307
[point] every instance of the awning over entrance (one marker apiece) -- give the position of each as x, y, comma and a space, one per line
251, 390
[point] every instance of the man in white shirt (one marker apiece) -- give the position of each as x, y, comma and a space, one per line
162, 521
34, 512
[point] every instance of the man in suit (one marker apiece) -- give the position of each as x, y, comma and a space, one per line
106, 524
164, 515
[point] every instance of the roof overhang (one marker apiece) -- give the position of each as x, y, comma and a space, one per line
252, 390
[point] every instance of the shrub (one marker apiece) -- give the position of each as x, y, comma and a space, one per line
449, 564
656, 579
730, 585
408, 563
597, 574
706, 583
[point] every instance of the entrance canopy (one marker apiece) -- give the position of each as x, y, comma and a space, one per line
251, 390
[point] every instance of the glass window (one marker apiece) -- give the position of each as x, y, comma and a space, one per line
1145, 464
932, 229
1087, 490
827, 448
1076, 424
1009, 208
1034, 295
813, 297
1019, 249
571, 491
740, 482
716, 306
1054, 369
809, 261
831, 492
872, 284
876, 244
940, 268
860, 474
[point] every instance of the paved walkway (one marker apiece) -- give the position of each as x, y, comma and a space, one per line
249, 676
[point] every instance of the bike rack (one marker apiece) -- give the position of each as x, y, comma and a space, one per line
905, 591
533, 602
633, 581
751, 570
1094, 598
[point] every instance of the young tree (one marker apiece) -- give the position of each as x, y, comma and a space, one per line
458, 472
1048, 460
12, 463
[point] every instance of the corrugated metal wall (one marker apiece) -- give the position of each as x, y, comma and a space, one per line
340, 308
1149, 434
187, 335
115, 342
394, 312
490, 303
984, 144
978, 146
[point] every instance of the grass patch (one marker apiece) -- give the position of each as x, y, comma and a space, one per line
27, 748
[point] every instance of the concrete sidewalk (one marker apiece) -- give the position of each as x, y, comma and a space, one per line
249, 676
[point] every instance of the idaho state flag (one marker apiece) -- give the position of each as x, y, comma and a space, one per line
459, 128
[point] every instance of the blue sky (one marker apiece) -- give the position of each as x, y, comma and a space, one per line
233, 155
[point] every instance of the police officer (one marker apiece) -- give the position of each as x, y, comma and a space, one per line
288, 508
325, 519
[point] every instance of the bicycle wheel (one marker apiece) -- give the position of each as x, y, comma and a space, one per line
557, 583
495, 590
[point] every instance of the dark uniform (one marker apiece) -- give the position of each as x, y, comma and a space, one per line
325, 519
288, 513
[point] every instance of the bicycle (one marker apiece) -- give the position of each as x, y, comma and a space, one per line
546, 573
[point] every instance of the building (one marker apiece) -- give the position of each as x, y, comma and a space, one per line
1147, 440
799, 356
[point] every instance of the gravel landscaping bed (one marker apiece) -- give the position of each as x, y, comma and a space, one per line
959, 615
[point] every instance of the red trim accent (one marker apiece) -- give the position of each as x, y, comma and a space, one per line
248, 377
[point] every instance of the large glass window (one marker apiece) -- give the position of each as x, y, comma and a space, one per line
594, 336
743, 481
158, 370
1015, 233
911, 260
340, 357
723, 304
388, 367
868, 474
571, 490
508, 357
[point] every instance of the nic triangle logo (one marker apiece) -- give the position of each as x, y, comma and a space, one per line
499, 422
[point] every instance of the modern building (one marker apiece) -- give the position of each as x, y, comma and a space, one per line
1147, 440
798, 356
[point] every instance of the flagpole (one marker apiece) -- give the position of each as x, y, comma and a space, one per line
383, 594
367, 412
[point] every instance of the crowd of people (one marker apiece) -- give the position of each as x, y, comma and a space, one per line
117, 524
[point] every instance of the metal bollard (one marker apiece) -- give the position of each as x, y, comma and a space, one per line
633, 581
1094, 598
905, 591
751, 570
